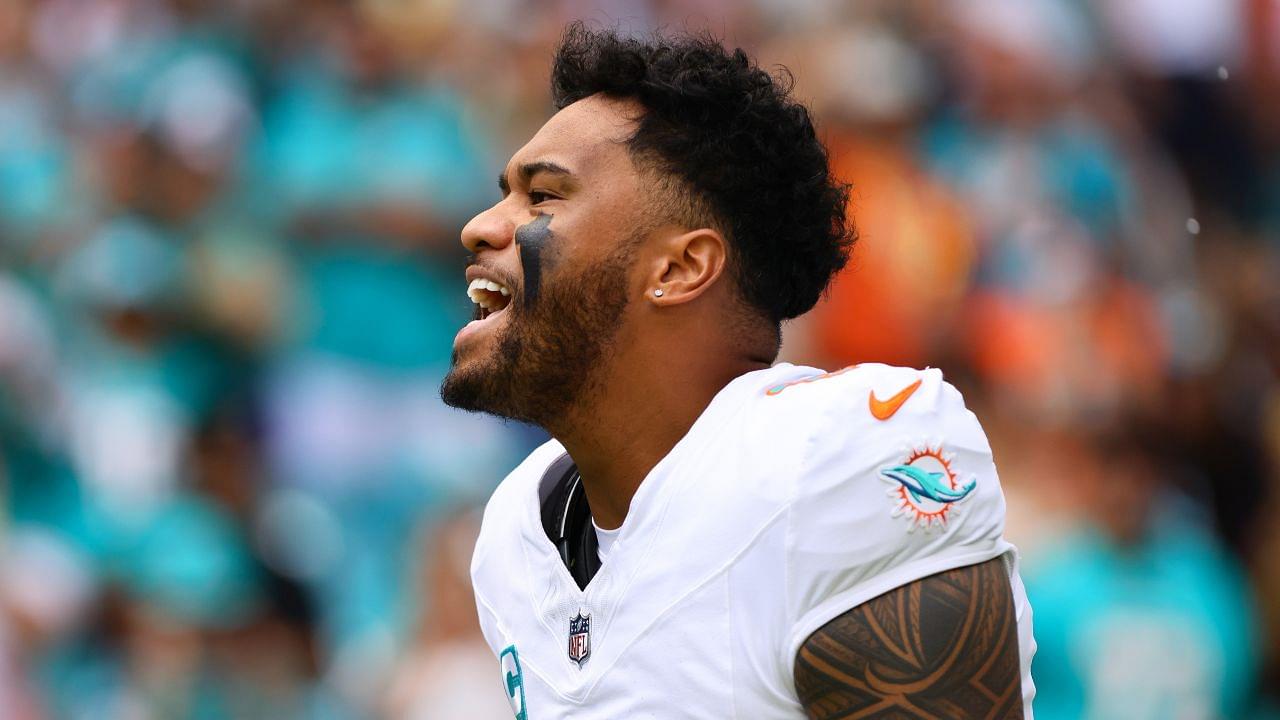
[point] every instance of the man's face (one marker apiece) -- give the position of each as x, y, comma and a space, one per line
558, 246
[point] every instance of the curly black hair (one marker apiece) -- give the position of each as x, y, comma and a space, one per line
742, 152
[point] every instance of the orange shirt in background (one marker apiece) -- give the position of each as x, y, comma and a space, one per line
910, 267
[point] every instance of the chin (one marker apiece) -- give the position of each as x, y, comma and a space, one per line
469, 386
484, 386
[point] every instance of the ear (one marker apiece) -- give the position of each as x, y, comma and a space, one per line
686, 265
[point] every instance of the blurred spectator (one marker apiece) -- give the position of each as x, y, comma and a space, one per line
1140, 613
916, 246
448, 669
46, 588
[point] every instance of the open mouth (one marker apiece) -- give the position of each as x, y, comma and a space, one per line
490, 297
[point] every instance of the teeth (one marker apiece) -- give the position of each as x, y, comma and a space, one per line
478, 292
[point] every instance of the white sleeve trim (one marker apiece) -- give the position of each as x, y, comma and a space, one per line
838, 604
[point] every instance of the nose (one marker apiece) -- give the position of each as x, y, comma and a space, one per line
491, 229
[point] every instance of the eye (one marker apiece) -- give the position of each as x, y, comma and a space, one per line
537, 197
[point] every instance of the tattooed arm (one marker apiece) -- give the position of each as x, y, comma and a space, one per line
943, 647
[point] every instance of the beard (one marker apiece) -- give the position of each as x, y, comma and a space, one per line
547, 354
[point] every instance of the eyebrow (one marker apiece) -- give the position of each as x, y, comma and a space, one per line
526, 171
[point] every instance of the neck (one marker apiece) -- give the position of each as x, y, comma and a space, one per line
634, 418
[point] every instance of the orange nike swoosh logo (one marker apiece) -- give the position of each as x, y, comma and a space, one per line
884, 409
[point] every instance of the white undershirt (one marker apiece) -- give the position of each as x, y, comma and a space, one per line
605, 539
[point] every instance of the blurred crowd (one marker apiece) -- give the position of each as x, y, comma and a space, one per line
230, 278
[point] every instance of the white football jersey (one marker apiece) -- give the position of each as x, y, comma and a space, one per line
796, 496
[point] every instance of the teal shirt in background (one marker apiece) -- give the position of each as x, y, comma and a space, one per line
386, 309
1158, 631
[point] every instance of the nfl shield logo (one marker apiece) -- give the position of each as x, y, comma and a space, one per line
580, 638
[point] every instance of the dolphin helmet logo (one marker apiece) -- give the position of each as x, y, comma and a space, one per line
926, 487
922, 485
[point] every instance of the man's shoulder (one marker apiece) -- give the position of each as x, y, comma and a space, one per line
806, 387
849, 403
790, 421
895, 482
811, 437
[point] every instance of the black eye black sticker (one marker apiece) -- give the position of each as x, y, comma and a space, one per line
531, 238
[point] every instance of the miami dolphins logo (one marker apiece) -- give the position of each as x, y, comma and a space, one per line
926, 487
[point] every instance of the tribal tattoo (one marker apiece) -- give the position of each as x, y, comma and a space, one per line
943, 647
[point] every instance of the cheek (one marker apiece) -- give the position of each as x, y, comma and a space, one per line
582, 240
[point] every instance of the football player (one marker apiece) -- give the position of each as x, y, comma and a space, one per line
710, 534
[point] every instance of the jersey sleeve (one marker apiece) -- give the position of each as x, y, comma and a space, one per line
897, 483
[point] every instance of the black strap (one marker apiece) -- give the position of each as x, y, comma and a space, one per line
566, 519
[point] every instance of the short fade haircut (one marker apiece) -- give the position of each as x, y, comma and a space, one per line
742, 153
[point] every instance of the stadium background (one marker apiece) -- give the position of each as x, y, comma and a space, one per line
230, 276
